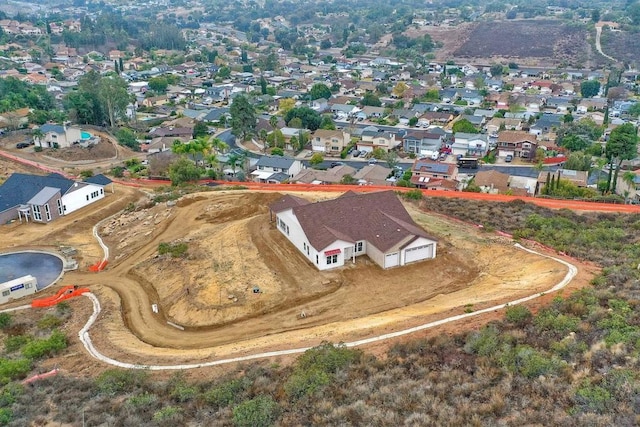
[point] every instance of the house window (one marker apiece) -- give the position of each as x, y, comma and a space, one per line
332, 259
307, 249
359, 247
47, 211
316, 259
36, 213
101, 191
87, 197
5, 293
60, 207
27, 286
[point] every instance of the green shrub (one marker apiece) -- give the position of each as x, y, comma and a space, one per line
9, 394
49, 321
259, 412
44, 347
183, 392
37, 149
532, 363
13, 369
86, 173
414, 194
119, 381
142, 400
593, 398
226, 393
485, 342
316, 368
15, 343
177, 250
552, 321
167, 413
517, 314
5, 320
6, 416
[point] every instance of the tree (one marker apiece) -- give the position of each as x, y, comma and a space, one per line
622, 145
113, 95
399, 89
200, 129
184, 170
285, 105
158, 84
464, 126
413, 121
348, 180
578, 161
277, 151
243, 117
276, 139
126, 137
634, 110
371, 99
263, 85
316, 159
391, 157
311, 119
496, 70
320, 90
327, 123
589, 88
574, 143
595, 15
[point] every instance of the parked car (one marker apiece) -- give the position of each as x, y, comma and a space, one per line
355, 153
509, 158
334, 164
373, 161
22, 145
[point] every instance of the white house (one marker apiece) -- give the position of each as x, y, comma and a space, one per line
334, 232
59, 136
45, 198
470, 144
276, 169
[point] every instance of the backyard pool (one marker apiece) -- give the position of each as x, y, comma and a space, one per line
45, 267
85, 135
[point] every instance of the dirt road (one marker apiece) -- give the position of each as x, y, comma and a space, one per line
349, 305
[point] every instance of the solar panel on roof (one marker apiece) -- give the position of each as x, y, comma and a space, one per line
439, 168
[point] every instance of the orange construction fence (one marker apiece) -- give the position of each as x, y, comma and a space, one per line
65, 293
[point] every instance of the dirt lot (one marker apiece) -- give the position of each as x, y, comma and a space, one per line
232, 247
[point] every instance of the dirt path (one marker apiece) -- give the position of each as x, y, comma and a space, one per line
599, 45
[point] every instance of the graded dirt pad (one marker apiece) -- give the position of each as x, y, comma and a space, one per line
101, 151
233, 247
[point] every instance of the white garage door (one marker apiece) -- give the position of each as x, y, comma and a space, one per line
391, 260
505, 153
418, 253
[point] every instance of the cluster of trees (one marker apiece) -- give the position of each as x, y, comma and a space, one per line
15, 94
98, 100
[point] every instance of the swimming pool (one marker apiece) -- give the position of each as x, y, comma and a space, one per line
45, 267
85, 135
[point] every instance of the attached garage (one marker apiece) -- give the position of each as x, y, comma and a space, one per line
505, 153
418, 253
392, 260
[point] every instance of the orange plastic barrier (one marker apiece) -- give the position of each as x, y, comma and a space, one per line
98, 266
51, 373
65, 293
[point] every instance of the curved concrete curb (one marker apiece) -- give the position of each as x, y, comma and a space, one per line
86, 339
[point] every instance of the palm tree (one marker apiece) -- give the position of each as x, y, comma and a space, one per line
629, 178
37, 136
273, 121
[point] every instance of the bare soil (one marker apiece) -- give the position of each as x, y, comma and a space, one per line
232, 248
100, 151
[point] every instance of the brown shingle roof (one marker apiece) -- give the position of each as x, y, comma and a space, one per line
287, 202
516, 136
379, 218
492, 178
